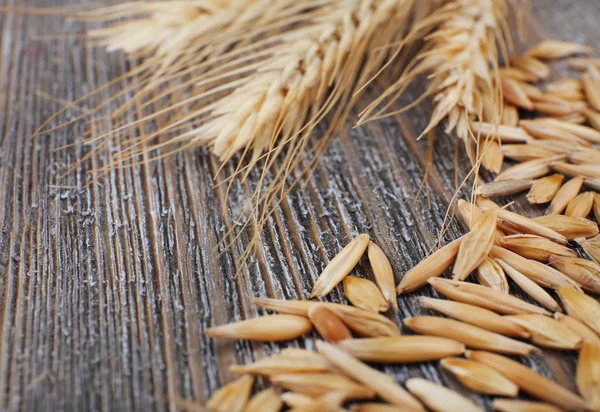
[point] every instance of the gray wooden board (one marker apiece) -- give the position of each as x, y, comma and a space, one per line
105, 289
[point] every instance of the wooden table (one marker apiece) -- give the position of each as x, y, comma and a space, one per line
105, 289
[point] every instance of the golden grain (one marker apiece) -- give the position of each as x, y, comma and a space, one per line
484, 297
591, 86
578, 327
330, 327
319, 384
384, 275
523, 224
581, 205
490, 274
266, 328
548, 332
587, 133
544, 189
375, 407
517, 74
476, 245
378, 382
525, 152
591, 247
340, 266
503, 187
439, 398
514, 94
564, 84
535, 247
565, 194
543, 129
529, 381
364, 294
479, 377
530, 287
587, 171
296, 400
510, 115
433, 266
588, 374
506, 405
472, 336
402, 349
506, 134
277, 364
268, 400
232, 397
570, 228
492, 157
555, 49
475, 315
532, 65
585, 272
362, 322
538, 272
582, 307
531, 169
585, 157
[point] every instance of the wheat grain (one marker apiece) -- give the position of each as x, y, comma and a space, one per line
587, 133
578, 327
555, 49
548, 332
570, 228
523, 224
587, 171
492, 158
514, 94
439, 398
484, 297
591, 86
544, 189
319, 384
362, 322
232, 397
564, 84
433, 266
585, 156
506, 405
530, 381
535, 247
591, 247
530, 287
479, 377
543, 129
582, 307
531, 169
375, 407
384, 275
475, 315
585, 272
472, 336
588, 374
525, 152
596, 207
278, 364
402, 349
532, 65
377, 381
490, 274
517, 74
503, 187
565, 194
476, 245
364, 294
340, 266
268, 400
510, 116
581, 205
296, 400
506, 134
541, 274
593, 117
328, 402
330, 327
266, 328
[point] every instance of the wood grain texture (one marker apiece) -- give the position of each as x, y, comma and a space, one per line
106, 288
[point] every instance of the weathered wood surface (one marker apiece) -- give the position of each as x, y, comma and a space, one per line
105, 289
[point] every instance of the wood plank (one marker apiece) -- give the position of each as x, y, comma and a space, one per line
106, 288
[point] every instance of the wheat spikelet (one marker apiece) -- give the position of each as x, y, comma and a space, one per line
462, 56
